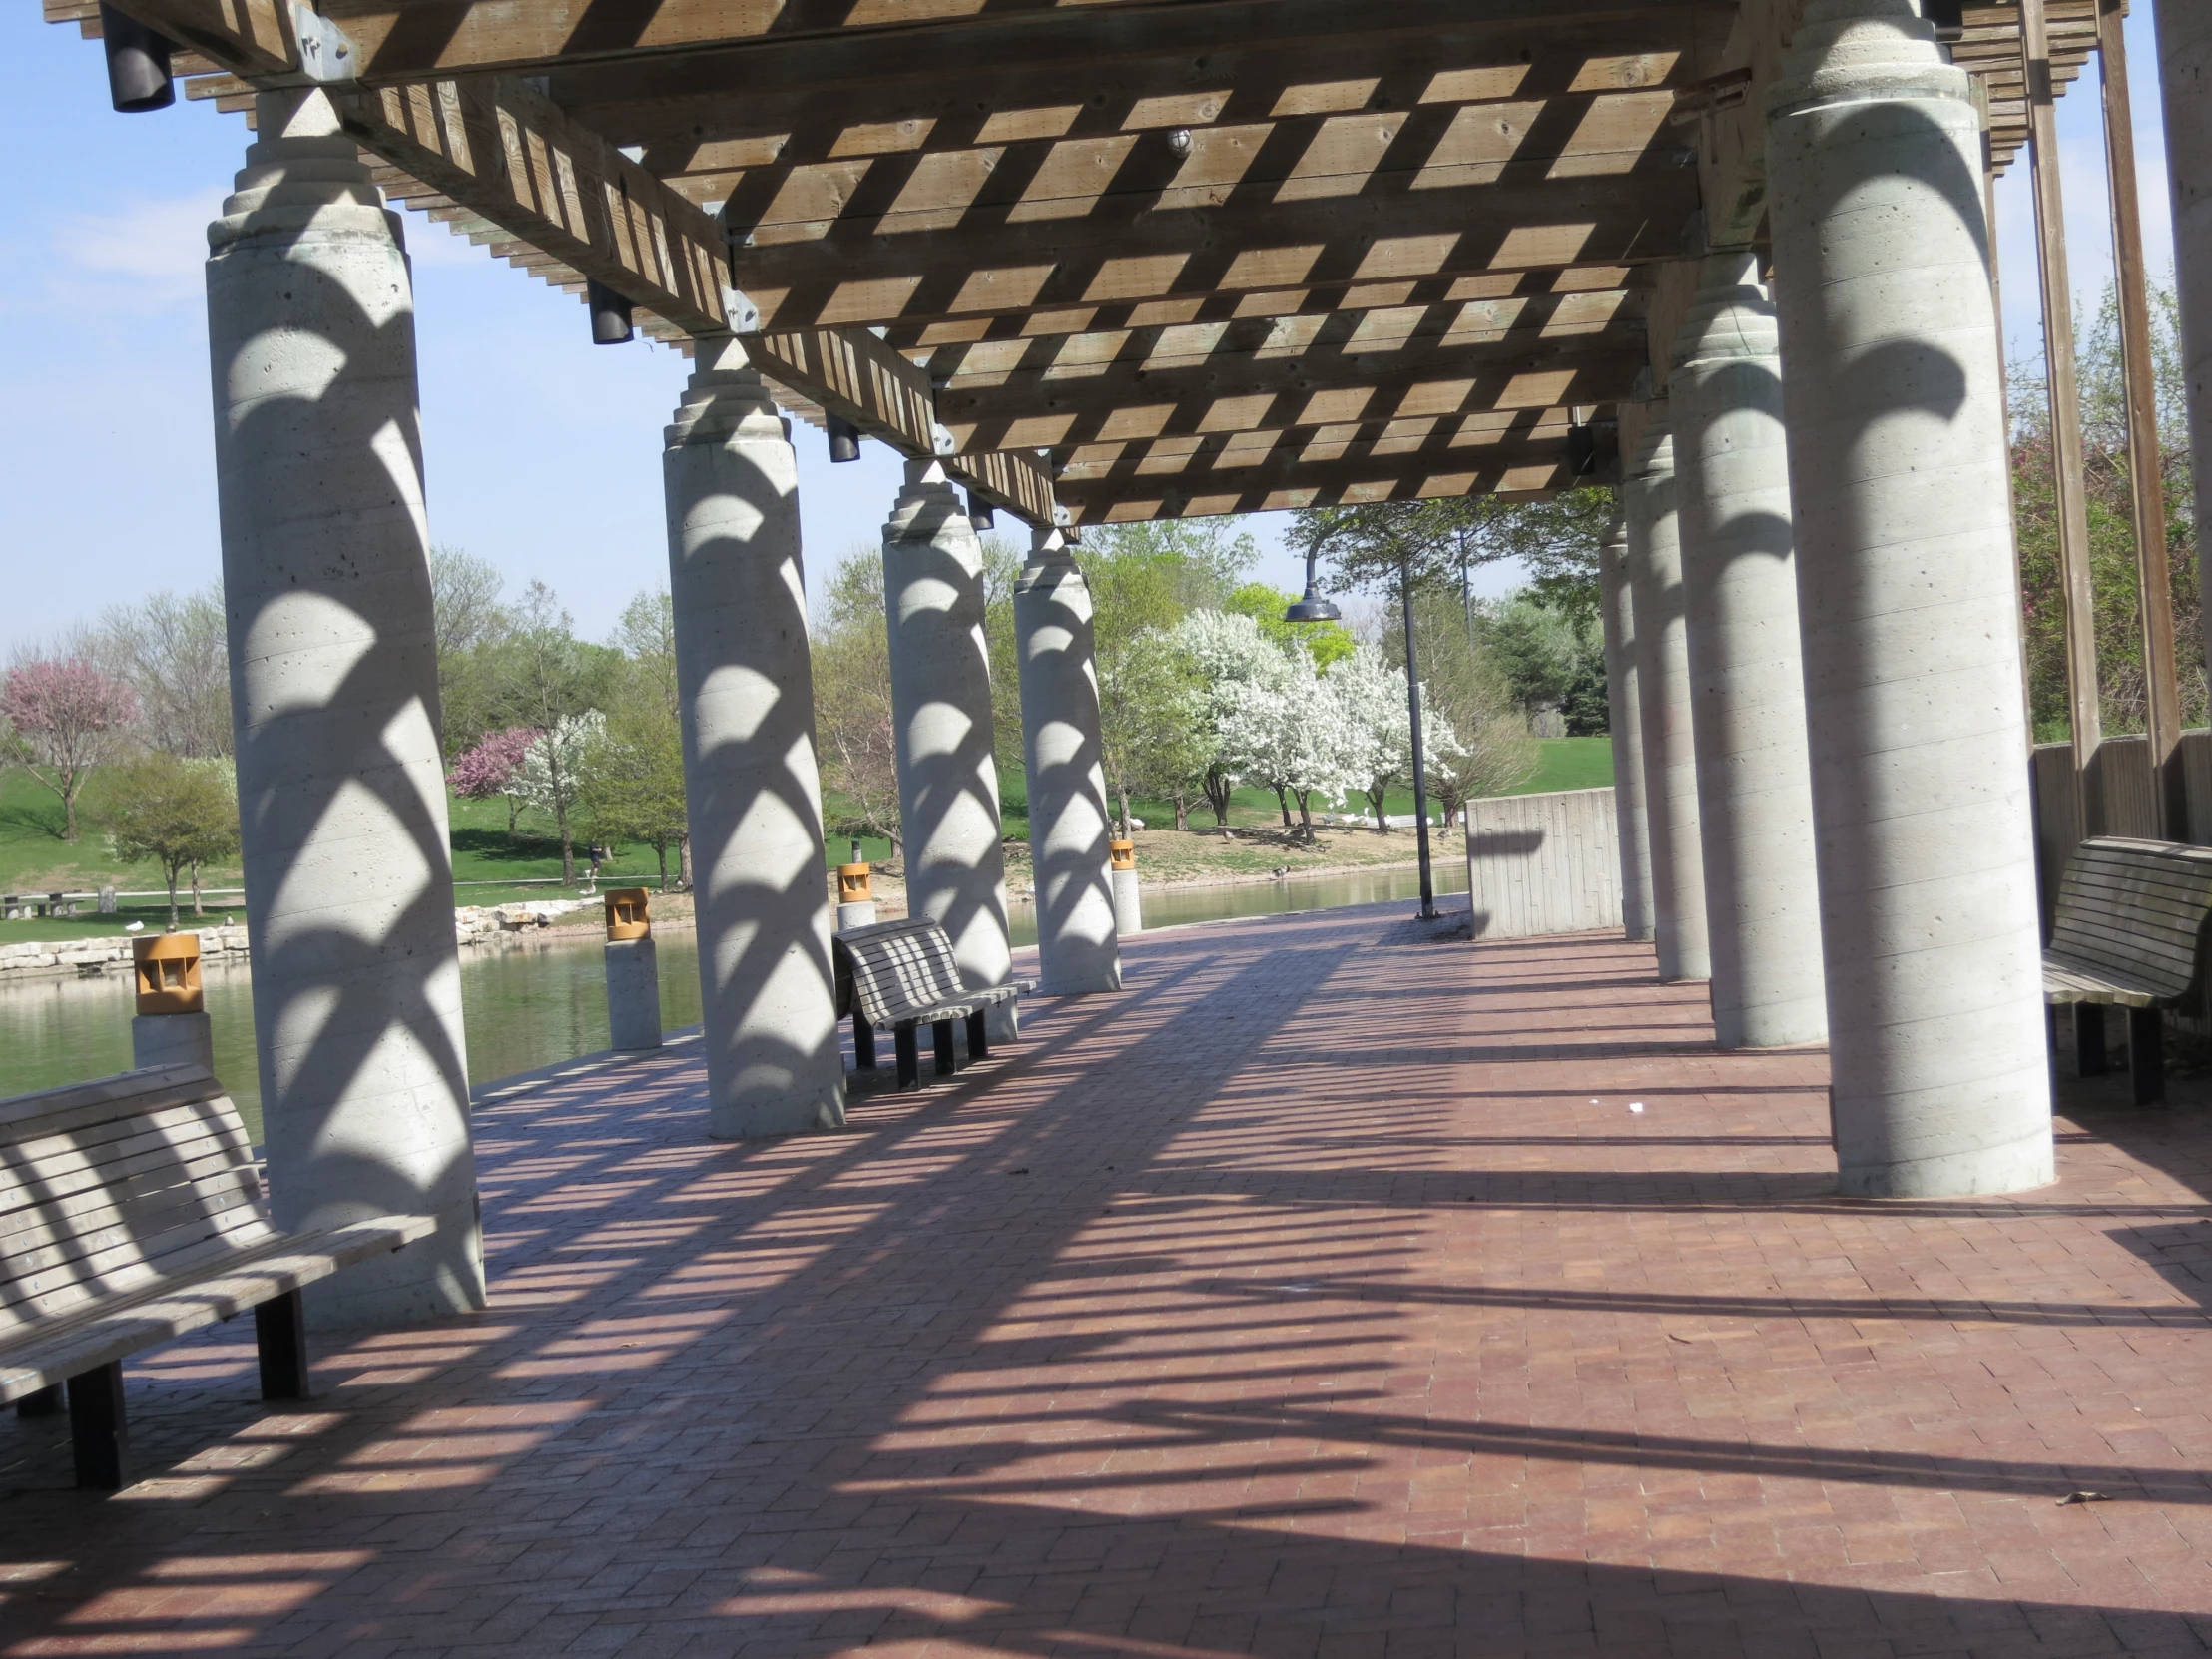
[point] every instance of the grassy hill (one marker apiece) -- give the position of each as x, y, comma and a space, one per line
492, 864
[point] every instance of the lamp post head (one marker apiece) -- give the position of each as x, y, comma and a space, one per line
1310, 606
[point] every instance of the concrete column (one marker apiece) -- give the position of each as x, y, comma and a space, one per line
1747, 678
633, 993
941, 712
1625, 718
335, 693
1128, 903
2185, 88
759, 867
1907, 612
1068, 827
1663, 704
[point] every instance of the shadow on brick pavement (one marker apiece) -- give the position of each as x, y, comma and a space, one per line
1318, 1295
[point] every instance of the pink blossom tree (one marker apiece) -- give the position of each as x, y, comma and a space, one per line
492, 767
64, 717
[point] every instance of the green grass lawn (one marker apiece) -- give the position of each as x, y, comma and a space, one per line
493, 867
1572, 764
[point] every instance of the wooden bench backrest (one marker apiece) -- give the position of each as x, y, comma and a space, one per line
107, 1185
901, 966
2135, 907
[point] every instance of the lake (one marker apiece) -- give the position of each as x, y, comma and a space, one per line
538, 1001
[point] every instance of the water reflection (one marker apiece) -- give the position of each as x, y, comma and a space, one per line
533, 1002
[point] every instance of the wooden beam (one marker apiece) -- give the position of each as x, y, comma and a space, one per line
2077, 590
424, 40
794, 102
1521, 471
2145, 455
248, 37
1294, 388
1230, 347
859, 279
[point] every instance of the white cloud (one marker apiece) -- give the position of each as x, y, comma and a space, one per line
142, 257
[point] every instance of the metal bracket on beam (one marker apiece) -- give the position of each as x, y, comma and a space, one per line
743, 316
326, 55
1061, 517
942, 442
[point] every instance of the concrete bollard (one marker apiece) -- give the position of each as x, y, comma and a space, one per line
170, 1028
1128, 905
855, 899
633, 972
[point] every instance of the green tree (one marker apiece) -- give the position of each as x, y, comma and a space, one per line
2108, 478
1149, 723
631, 770
178, 813
1327, 643
547, 678
472, 625
851, 649
1492, 749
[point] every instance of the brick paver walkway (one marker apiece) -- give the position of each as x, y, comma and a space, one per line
1324, 1295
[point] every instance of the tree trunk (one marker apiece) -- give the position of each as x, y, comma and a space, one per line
660, 851
1217, 797
568, 844
1306, 815
514, 811
1182, 811
1374, 798
1283, 797
1122, 791
683, 861
171, 868
195, 909
69, 789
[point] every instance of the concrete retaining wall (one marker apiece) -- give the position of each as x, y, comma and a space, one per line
1543, 863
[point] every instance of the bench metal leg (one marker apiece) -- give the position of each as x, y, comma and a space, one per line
2146, 1055
281, 1334
97, 1432
864, 1042
47, 1403
978, 1039
910, 1055
2089, 1056
940, 1037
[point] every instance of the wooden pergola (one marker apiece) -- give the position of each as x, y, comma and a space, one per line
1129, 259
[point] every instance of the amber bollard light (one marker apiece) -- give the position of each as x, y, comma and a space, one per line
633, 970
1127, 908
170, 1028
855, 899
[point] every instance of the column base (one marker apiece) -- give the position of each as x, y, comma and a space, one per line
764, 1117
633, 993
2017, 1167
1128, 903
860, 915
172, 1040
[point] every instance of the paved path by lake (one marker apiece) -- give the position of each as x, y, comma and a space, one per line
1322, 1294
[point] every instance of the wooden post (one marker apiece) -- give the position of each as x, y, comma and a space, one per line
2145, 455
2082, 701
1980, 87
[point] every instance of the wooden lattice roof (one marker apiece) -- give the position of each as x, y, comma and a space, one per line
1142, 258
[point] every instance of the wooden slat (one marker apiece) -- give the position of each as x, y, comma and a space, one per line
2130, 925
218, 1287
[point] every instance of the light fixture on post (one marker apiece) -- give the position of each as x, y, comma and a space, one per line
139, 76
611, 323
844, 437
1312, 607
979, 512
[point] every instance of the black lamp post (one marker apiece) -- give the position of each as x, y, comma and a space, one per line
1313, 608
1420, 760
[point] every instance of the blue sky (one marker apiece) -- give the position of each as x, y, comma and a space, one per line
543, 450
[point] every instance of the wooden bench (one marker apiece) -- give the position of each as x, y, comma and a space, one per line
131, 1213
2131, 914
901, 974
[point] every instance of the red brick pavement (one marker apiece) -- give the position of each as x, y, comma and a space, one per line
1320, 1296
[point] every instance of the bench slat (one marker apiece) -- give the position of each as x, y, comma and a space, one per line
216, 1290
2130, 921
131, 1211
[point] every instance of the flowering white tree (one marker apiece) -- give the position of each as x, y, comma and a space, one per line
551, 776
1378, 732
1227, 653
